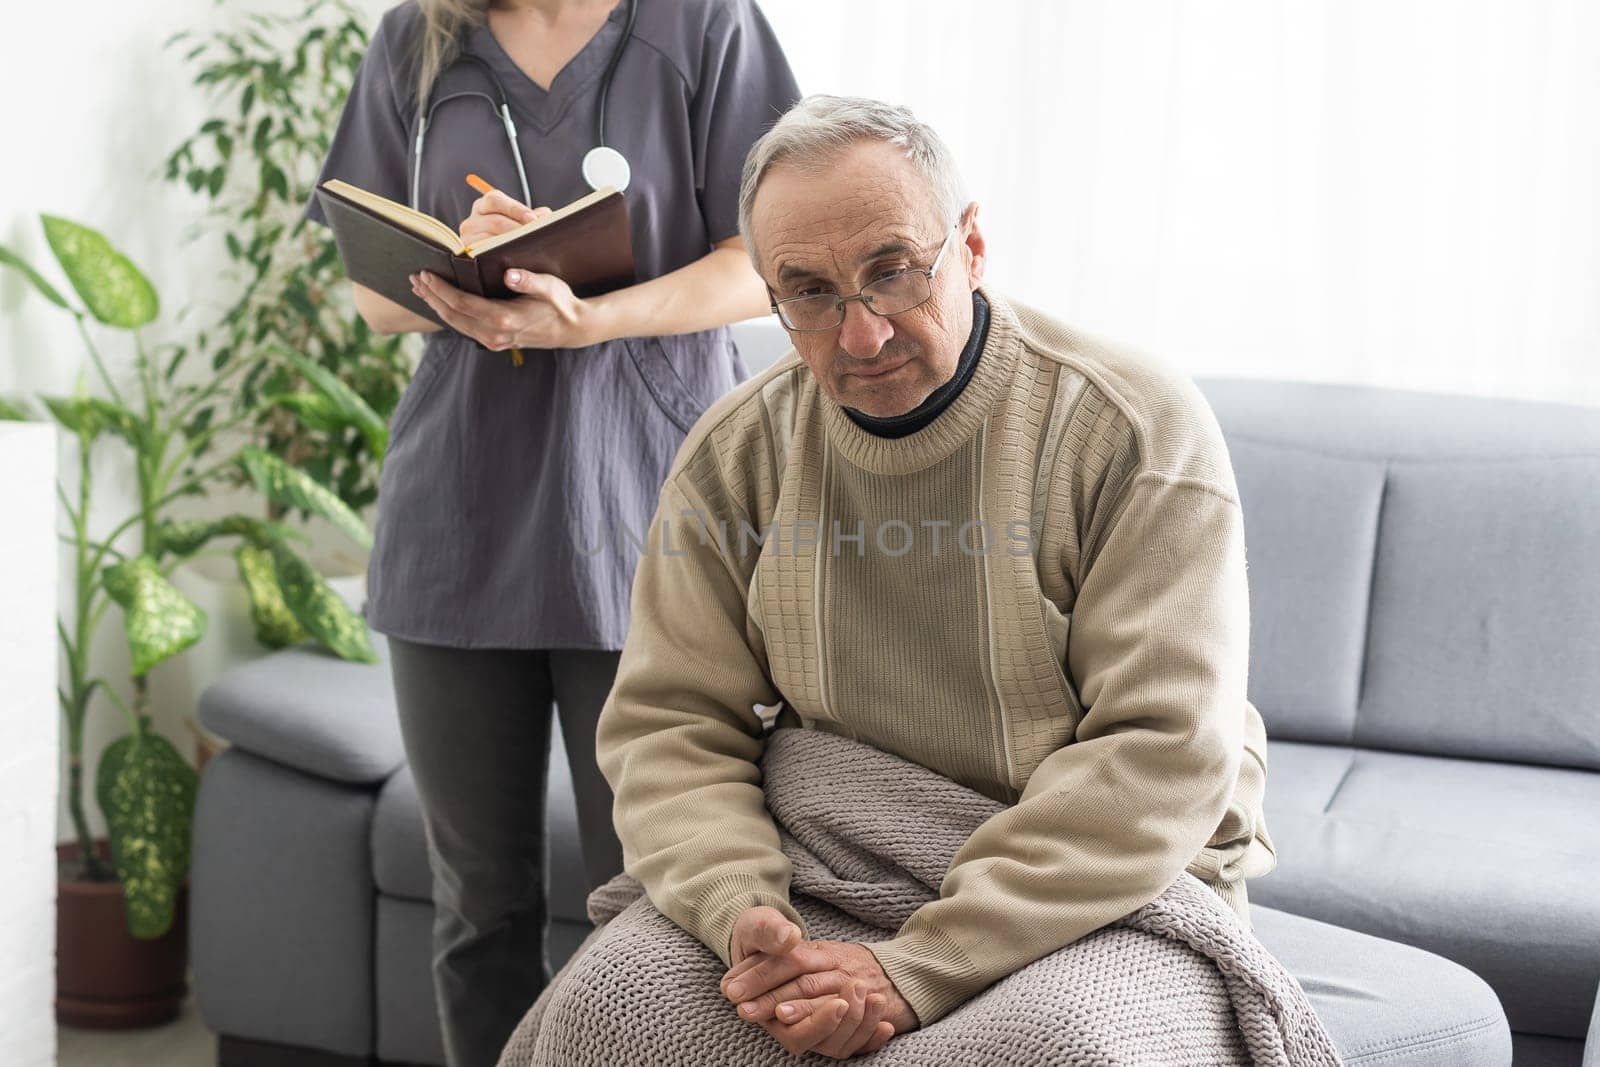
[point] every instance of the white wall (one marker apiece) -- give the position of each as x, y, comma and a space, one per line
28, 741
1391, 192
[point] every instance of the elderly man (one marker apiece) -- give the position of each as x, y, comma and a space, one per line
952, 527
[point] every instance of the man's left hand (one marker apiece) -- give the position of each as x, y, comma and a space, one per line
779, 991
547, 315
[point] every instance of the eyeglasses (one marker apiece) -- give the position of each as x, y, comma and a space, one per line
892, 294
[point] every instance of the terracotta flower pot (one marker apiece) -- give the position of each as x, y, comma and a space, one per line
107, 979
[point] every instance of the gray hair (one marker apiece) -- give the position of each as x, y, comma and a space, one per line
819, 127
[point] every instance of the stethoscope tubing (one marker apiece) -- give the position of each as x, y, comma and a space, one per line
503, 108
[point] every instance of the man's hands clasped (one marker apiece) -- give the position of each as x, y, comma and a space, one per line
828, 997
546, 315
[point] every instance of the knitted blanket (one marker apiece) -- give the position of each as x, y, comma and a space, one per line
870, 836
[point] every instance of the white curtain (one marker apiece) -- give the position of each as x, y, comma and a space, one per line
1394, 192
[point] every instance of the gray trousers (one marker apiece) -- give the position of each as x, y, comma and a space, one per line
476, 725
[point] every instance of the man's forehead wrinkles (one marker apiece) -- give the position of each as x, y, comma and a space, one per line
799, 257
800, 253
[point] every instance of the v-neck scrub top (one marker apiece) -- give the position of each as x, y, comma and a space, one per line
514, 500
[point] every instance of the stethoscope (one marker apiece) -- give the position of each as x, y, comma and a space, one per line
602, 164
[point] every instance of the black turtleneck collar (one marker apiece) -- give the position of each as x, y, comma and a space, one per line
940, 398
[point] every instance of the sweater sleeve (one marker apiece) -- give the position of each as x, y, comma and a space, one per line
1158, 647
679, 739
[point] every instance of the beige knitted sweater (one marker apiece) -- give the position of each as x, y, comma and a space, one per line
1040, 595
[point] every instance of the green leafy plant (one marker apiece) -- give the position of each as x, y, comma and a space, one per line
144, 787
278, 84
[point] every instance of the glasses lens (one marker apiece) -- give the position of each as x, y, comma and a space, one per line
820, 312
899, 292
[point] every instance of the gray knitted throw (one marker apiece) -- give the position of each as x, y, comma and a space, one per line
870, 836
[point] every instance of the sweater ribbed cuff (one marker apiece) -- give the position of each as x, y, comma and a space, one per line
722, 904
930, 970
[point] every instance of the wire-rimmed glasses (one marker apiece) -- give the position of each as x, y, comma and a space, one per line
892, 294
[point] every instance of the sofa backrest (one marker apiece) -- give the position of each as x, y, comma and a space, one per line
1424, 570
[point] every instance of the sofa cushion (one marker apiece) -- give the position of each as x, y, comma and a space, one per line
1478, 636
406, 1025
1492, 865
399, 843
400, 850
1310, 526
1485, 631
313, 711
1303, 777
1383, 1002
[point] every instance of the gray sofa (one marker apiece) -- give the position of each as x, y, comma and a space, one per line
1425, 589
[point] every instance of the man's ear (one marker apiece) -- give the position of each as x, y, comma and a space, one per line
977, 258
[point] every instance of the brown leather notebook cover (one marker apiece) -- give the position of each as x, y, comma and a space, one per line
587, 245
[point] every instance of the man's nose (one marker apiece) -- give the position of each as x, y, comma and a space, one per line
862, 333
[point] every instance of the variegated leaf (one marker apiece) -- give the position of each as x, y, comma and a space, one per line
323, 613
146, 791
276, 626
159, 620
282, 484
315, 411
185, 537
114, 290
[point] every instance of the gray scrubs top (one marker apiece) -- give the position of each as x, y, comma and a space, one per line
513, 500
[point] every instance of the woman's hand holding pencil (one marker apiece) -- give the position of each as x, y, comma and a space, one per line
494, 212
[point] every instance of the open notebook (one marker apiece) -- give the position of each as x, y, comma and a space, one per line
382, 243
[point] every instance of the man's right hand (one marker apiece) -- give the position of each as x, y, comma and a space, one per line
839, 1024
761, 929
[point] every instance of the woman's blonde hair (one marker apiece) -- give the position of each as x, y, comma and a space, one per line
445, 24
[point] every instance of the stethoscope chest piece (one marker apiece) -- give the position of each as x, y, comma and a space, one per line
603, 165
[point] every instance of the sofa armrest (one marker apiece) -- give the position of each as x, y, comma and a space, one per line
308, 709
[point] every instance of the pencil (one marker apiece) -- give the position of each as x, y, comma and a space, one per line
485, 188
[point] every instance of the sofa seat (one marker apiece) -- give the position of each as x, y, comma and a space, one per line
1383, 1002
1493, 865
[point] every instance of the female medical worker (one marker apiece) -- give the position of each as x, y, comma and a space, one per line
514, 496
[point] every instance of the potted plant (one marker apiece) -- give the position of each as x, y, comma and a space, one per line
121, 947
